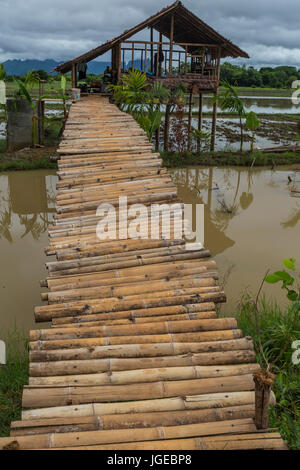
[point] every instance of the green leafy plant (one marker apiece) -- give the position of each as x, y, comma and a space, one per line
287, 281
150, 121
2, 72
278, 329
253, 124
32, 79
229, 100
63, 95
24, 92
159, 92
202, 137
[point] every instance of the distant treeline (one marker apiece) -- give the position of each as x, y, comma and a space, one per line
266, 77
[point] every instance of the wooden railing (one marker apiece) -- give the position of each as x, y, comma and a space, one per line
175, 59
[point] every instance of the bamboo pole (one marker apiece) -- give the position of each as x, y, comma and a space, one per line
36, 397
196, 402
140, 350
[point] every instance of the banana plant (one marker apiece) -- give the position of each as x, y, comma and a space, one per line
229, 100
253, 124
63, 95
24, 92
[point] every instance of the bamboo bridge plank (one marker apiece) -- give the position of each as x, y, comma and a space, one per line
136, 356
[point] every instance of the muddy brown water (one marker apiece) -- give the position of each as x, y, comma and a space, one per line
251, 223
27, 205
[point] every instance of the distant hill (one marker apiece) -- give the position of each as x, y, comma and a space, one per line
21, 67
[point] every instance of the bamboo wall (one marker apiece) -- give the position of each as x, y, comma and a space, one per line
136, 356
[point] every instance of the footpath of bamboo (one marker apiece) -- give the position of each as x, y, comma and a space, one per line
136, 356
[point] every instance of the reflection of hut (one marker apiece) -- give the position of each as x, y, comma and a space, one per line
215, 237
28, 193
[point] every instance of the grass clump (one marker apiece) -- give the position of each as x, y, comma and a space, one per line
278, 330
224, 158
13, 376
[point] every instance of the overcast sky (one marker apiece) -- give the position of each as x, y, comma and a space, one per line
62, 29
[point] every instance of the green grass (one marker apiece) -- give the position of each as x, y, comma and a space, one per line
278, 329
13, 376
37, 164
224, 158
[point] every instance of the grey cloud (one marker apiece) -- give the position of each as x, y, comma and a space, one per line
62, 29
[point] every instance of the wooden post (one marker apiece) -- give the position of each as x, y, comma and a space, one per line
214, 125
157, 132
132, 57
199, 118
145, 62
158, 54
74, 75
185, 60
151, 48
190, 119
171, 44
167, 128
119, 58
41, 114
263, 380
218, 63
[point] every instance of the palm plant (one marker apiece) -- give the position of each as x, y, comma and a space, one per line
159, 93
130, 90
150, 120
253, 124
229, 100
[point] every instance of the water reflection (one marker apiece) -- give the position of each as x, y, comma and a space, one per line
27, 204
247, 214
29, 196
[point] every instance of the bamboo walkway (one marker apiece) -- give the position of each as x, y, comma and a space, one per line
136, 357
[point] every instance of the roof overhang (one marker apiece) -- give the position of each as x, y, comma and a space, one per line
188, 28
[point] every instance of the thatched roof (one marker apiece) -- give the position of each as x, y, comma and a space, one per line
188, 28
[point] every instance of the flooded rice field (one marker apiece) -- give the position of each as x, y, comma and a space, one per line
251, 223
